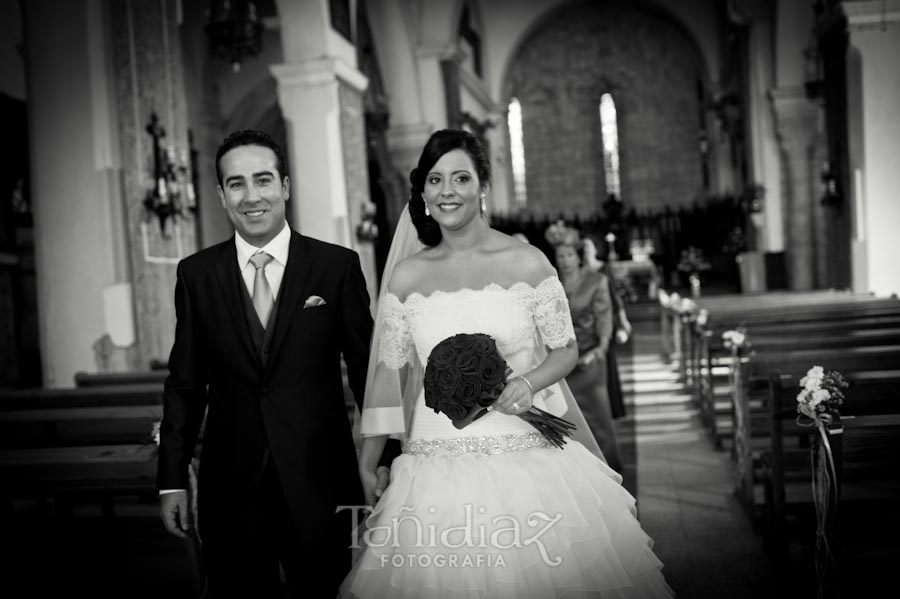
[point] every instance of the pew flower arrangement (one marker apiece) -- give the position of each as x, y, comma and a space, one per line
736, 339
686, 306
665, 300
821, 394
154, 433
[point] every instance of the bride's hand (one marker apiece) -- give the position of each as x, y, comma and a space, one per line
516, 398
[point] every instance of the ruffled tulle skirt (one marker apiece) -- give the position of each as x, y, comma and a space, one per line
537, 522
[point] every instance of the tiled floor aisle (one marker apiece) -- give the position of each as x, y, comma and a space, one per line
685, 504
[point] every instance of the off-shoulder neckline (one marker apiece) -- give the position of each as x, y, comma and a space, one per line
489, 287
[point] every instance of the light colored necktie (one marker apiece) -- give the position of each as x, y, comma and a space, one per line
262, 293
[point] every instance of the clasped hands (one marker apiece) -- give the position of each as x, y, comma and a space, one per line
374, 483
589, 357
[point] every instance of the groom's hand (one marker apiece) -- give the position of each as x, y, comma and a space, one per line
382, 478
173, 509
369, 482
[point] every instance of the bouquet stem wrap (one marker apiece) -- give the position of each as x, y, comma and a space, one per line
824, 484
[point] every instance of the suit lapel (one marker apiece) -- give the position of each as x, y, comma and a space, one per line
229, 280
295, 275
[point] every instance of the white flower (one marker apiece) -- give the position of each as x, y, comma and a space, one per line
803, 396
703, 317
155, 431
817, 373
734, 338
688, 305
819, 395
813, 379
665, 299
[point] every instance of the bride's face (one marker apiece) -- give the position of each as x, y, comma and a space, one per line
452, 190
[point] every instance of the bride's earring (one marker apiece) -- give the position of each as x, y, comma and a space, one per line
427, 211
483, 204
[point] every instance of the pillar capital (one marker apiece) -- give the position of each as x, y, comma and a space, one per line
317, 72
796, 117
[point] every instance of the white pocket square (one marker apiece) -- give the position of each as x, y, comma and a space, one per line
313, 301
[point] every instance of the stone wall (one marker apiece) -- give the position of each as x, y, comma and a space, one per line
652, 69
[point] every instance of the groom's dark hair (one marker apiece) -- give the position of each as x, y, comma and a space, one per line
250, 137
441, 142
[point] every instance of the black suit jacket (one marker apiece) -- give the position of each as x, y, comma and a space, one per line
290, 409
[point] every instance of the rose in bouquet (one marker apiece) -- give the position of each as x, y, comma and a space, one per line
465, 374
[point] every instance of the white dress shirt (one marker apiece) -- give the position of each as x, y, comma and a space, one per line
277, 248
274, 270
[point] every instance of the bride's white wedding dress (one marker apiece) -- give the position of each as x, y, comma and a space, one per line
493, 510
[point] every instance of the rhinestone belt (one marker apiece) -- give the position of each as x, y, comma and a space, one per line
458, 446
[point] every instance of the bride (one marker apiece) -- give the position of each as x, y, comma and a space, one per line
492, 510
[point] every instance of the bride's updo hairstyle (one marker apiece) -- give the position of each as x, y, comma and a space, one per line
441, 142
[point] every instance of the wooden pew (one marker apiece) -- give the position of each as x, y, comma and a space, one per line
115, 379
715, 389
90, 442
867, 460
836, 325
79, 416
752, 426
733, 310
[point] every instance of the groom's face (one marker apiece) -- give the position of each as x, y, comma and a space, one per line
253, 192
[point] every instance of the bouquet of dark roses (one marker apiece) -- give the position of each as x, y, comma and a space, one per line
465, 374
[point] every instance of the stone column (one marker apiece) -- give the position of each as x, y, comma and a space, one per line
798, 133
320, 94
96, 70
873, 82
762, 150
400, 27
148, 73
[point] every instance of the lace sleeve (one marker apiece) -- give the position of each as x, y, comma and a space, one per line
551, 313
393, 327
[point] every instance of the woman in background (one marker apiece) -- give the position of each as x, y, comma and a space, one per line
621, 328
592, 315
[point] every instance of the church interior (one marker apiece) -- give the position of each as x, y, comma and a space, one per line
733, 162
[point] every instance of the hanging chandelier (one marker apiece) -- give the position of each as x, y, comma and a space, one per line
234, 30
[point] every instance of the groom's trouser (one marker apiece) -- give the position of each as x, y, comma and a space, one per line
242, 553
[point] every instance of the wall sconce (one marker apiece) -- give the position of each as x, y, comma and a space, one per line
814, 76
367, 229
831, 189
170, 192
756, 202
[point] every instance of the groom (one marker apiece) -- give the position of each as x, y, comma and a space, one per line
262, 321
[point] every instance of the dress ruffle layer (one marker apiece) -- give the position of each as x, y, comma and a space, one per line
540, 522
